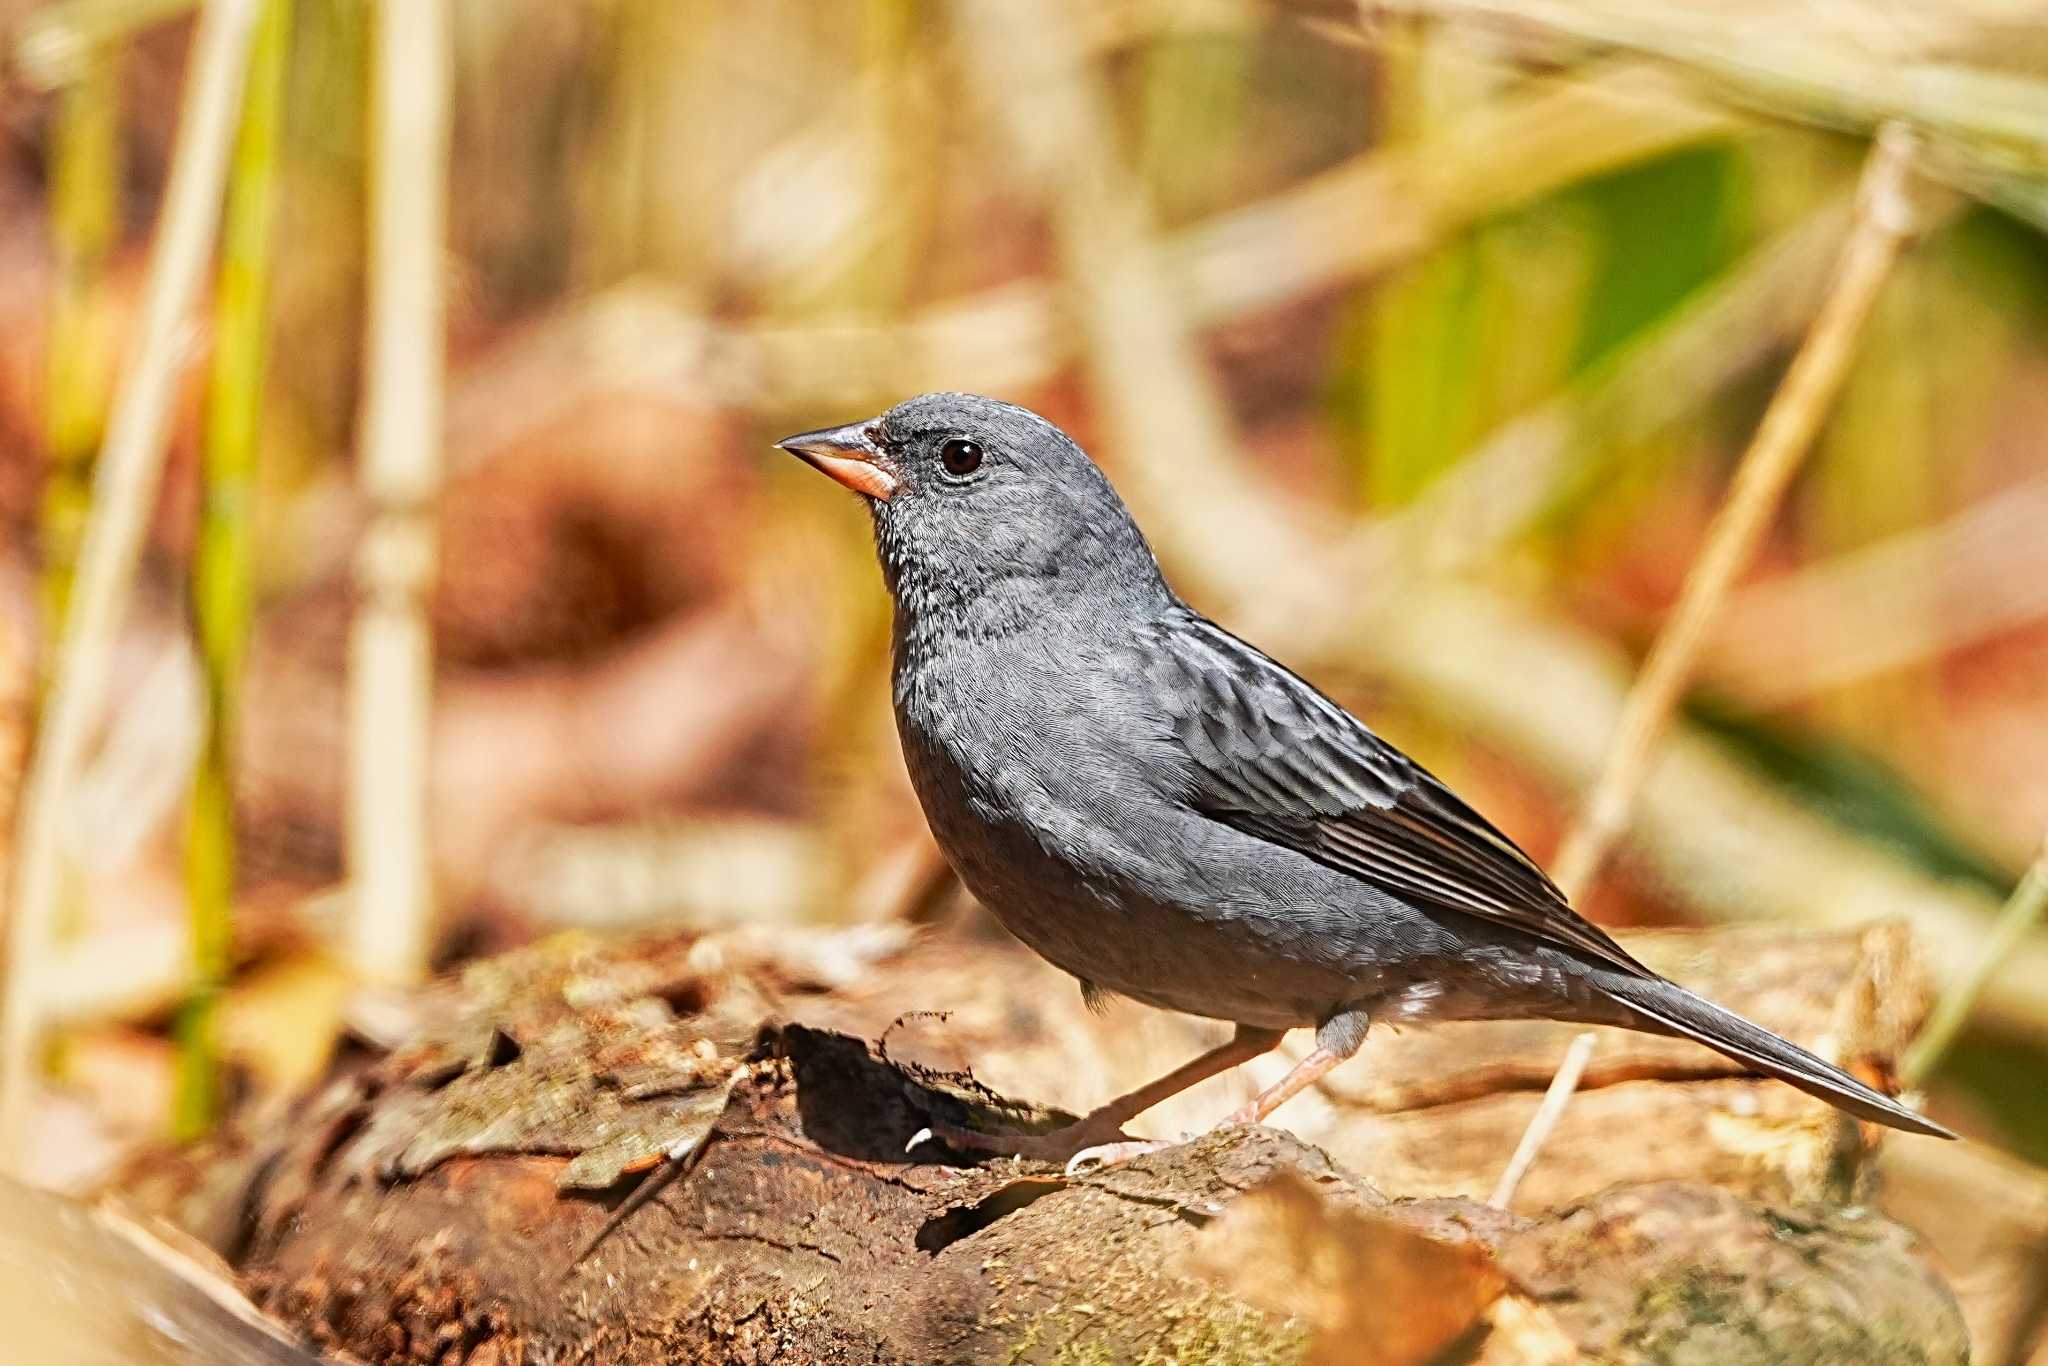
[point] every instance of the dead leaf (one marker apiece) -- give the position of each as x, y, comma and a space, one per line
1371, 1288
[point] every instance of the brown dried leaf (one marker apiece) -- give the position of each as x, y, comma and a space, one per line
1372, 1288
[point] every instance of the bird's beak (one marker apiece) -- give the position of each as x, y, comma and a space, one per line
849, 455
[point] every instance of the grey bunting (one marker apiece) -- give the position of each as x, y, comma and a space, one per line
1165, 812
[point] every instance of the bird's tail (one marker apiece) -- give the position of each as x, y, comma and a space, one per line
1666, 1007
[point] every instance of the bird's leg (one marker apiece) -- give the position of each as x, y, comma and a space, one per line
1299, 1078
1102, 1129
1337, 1038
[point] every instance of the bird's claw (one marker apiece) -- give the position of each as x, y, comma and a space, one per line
1109, 1154
1084, 1143
969, 1141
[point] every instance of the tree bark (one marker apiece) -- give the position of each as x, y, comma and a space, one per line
439, 1202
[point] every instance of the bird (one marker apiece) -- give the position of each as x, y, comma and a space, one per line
1165, 812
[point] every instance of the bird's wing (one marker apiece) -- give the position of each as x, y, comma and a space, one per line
1275, 758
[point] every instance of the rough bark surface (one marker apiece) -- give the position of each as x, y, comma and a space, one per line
433, 1204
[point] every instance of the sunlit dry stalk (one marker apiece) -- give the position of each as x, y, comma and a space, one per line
124, 490
391, 649
1884, 220
2023, 911
221, 579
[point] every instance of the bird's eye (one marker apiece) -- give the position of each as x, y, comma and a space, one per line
960, 456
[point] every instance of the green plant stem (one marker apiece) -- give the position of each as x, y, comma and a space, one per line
221, 587
85, 193
2022, 912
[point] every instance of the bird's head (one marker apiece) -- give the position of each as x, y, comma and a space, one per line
980, 502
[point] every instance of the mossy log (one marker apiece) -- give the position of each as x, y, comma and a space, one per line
497, 1189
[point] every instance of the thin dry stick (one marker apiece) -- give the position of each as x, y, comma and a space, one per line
1546, 1117
391, 650
124, 491
1884, 219
2022, 912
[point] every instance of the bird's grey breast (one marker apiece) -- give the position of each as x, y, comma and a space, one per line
1023, 739
1040, 779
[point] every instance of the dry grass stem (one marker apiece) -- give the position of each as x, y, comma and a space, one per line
1562, 1084
390, 649
124, 492
1884, 220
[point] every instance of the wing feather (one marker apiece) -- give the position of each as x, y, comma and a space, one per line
1277, 759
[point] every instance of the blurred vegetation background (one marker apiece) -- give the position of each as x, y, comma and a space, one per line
1424, 336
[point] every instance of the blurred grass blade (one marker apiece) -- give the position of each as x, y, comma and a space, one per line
62, 42
1157, 394
221, 580
124, 492
1996, 121
1664, 228
1501, 489
1856, 790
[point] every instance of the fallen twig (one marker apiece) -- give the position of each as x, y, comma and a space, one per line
1545, 1119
